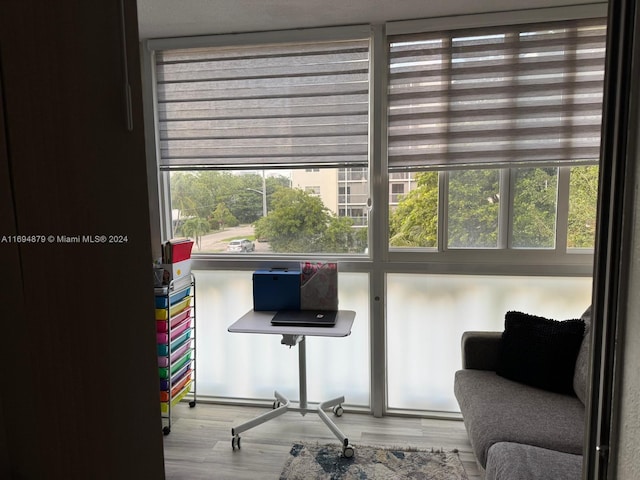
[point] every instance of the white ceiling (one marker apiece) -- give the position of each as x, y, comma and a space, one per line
178, 18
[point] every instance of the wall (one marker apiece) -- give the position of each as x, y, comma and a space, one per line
79, 391
627, 463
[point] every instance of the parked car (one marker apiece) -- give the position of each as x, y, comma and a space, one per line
241, 245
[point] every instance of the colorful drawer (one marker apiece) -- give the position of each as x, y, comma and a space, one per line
164, 384
163, 361
164, 395
164, 406
161, 313
161, 301
162, 325
163, 348
175, 333
176, 367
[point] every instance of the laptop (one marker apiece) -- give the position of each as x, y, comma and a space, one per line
305, 318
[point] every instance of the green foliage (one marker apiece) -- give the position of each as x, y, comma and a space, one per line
473, 208
198, 194
194, 228
190, 195
534, 219
300, 223
339, 235
414, 223
360, 239
223, 217
583, 194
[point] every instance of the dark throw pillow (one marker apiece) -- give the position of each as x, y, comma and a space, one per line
539, 351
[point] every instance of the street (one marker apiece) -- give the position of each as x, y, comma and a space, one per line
216, 242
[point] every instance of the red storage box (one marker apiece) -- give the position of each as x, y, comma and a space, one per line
177, 250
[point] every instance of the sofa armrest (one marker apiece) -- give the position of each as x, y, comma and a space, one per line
480, 350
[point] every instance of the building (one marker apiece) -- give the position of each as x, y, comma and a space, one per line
345, 191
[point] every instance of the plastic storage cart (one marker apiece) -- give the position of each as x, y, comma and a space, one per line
176, 339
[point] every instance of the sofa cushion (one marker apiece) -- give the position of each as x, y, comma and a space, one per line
496, 409
581, 373
511, 461
539, 351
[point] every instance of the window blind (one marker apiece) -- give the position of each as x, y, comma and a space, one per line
496, 97
276, 106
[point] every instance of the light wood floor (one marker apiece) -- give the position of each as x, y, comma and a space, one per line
199, 445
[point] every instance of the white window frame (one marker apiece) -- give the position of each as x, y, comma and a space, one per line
380, 260
502, 260
505, 219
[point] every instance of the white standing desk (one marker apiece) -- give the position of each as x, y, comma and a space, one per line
260, 322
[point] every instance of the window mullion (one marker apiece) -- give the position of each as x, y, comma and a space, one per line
443, 177
507, 175
166, 209
378, 217
505, 216
562, 214
507, 209
443, 211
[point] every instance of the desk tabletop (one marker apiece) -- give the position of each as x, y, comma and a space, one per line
260, 322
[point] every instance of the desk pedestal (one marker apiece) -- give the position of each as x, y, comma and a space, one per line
282, 404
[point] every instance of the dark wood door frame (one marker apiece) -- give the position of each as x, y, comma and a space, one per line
613, 236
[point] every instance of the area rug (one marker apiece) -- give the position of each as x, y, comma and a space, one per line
325, 462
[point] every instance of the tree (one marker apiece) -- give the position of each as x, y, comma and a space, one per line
198, 194
295, 222
414, 223
535, 206
223, 217
195, 228
300, 223
190, 196
339, 236
583, 195
473, 208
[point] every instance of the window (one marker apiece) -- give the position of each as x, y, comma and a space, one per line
534, 205
583, 189
489, 194
437, 309
500, 115
253, 138
313, 190
397, 190
473, 208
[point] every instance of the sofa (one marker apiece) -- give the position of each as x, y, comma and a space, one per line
522, 396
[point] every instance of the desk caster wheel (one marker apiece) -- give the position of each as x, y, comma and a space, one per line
192, 403
338, 410
166, 430
276, 404
348, 451
235, 442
